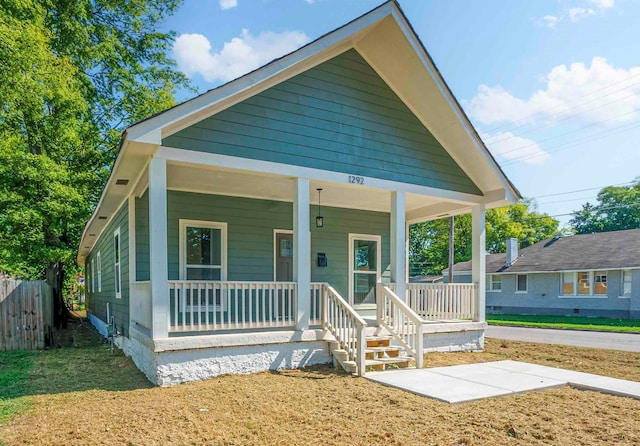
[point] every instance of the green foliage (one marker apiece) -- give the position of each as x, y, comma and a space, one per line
618, 208
429, 241
566, 322
73, 75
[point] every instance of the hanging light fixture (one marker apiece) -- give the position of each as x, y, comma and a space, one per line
319, 218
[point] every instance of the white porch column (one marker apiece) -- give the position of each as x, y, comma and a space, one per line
302, 252
158, 266
478, 253
399, 243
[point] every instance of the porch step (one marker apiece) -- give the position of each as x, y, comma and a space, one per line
379, 355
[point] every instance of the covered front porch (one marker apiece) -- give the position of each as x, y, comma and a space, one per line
222, 249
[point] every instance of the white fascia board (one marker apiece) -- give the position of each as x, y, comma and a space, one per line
190, 157
216, 100
446, 93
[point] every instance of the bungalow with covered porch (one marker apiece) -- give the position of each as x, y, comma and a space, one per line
264, 224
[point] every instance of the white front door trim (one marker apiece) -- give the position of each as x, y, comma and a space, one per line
369, 237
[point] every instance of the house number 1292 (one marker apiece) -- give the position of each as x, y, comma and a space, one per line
356, 180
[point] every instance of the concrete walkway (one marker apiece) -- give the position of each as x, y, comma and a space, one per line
596, 339
461, 383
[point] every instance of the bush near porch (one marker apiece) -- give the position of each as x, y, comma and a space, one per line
83, 394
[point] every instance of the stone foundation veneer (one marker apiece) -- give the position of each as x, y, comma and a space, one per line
184, 359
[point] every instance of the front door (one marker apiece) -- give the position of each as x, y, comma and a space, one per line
284, 257
364, 268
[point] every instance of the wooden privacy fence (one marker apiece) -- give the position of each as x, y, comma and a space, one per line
26, 314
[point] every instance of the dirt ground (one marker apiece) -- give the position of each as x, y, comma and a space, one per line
321, 406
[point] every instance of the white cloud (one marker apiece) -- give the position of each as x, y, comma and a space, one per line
604, 4
194, 54
549, 21
228, 4
508, 146
576, 14
598, 93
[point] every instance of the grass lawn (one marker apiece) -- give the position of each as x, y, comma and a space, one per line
82, 394
566, 322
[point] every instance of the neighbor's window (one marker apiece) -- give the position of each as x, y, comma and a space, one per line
99, 261
203, 250
494, 283
626, 282
521, 283
600, 282
568, 283
116, 260
584, 283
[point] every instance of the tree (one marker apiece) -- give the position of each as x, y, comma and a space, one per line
429, 241
73, 75
618, 208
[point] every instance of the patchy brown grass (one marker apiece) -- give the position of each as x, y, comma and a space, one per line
322, 406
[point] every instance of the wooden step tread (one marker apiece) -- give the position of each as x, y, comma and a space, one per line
383, 361
389, 348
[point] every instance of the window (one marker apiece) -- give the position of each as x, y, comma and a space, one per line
494, 283
116, 263
584, 283
203, 250
99, 261
568, 283
365, 259
93, 281
626, 282
600, 282
521, 283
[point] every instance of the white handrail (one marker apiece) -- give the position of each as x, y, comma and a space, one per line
443, 301
341, 320
315, 318
198, 305
406, 327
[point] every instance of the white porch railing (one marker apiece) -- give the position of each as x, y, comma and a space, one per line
341, 320
401, 322
215, 306
315, 318
140, 303
443, 301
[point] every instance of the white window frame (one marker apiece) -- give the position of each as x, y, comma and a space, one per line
117, 264
275, 247
99, 262
526, 287
626, 273
593, 282
575, 294
489, 283
378, 272
222, 226
93, 270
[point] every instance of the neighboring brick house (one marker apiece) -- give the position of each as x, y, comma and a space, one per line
589, 275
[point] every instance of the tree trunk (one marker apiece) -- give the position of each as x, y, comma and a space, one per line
55, 279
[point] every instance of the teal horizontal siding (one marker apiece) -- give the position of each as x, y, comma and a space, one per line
339, 116
97, 301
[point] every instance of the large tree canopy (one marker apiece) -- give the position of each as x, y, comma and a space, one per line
73, 74
429, 241
618, 208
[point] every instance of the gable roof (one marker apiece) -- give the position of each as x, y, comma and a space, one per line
386, 40
604, 250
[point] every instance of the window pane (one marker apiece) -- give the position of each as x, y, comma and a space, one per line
522, 282
117, 270
567, 283
204, 246
365, 255
116, 247
496, 283
600, 282
584, 283
203, 273
626, 283
364, 288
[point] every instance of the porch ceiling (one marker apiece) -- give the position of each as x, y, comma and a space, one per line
222, 181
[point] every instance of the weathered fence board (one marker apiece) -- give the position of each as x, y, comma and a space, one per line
26, 314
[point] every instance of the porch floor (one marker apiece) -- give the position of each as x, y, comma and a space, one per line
462, 383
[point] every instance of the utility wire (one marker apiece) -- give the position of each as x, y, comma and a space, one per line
576, 104
581, 190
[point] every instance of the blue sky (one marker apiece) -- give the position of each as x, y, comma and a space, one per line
553, 86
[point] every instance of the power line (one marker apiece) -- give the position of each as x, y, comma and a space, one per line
569, 144
577, 103
582, 190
